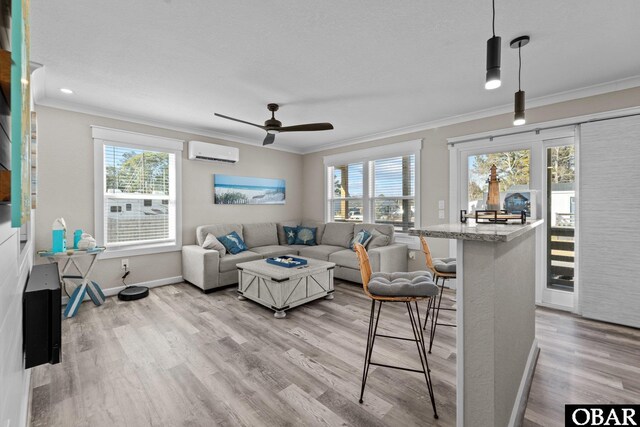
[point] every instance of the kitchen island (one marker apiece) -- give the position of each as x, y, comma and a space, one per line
496, 347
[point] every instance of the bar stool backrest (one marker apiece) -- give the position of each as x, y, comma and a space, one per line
427, 254
365, 267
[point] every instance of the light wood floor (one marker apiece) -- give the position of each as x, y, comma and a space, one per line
180, 357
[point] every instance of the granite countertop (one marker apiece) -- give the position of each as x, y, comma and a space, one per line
478, 232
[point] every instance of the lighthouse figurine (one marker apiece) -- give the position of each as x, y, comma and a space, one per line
493, 198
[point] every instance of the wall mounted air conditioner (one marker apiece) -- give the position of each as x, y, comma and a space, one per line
213, 152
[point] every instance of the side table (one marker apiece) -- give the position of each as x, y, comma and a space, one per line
87, 286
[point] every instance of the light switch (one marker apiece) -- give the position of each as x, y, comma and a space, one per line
440, 204
441, 214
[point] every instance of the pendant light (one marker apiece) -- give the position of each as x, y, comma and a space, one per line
493, 56
518, 117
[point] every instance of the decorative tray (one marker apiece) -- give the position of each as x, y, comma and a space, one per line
287, 261
490, 216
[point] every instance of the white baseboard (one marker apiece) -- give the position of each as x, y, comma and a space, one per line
150, 284
520, 404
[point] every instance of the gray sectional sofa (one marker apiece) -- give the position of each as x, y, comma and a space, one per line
206, 269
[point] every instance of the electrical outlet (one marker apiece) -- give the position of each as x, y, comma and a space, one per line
125, 264
440, 204
441, 214
412, 255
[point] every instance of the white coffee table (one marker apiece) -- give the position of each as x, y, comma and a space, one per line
281, 288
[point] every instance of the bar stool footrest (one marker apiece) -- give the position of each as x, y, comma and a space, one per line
402, 368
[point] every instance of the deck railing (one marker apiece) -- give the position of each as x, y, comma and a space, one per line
561, 258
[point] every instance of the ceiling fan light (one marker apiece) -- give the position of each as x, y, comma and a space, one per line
273, 131
493, 63
518, 117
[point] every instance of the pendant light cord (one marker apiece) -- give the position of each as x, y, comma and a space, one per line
519, 65
493, 3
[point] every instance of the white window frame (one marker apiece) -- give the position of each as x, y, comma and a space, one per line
105, 136
367, 157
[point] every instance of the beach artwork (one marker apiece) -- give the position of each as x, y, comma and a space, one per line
246, 190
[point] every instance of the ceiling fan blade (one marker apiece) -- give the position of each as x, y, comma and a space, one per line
238, 120
309, 127
269, 139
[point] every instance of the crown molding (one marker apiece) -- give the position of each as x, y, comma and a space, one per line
41, 98
80, 108
541, 101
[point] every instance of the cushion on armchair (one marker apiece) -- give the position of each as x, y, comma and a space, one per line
409, 284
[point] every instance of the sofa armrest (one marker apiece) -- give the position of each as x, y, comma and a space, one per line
200, 266
390, 259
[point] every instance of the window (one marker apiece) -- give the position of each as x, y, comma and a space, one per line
346, 196
393, 197
137, 192
378, 186
513, 173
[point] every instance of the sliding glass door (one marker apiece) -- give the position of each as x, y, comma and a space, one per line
560, 217
537, 175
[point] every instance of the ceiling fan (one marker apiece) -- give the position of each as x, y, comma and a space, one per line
273, 126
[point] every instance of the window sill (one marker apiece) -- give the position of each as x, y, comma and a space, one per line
412, 241
120, 252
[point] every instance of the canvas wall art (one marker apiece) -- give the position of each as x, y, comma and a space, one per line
245, 190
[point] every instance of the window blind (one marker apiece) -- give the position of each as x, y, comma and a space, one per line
393, 199
138, 200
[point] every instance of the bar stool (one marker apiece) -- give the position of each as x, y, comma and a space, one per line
442, 268
396, 287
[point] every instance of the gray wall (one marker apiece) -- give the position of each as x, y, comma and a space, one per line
66, 188
435, 156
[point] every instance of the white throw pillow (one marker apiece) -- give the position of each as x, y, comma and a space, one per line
212, 243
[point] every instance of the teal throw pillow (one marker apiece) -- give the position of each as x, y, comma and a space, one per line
306, 236
233, 243
361, 237
291, 233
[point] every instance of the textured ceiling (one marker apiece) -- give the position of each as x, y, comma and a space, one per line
366, 66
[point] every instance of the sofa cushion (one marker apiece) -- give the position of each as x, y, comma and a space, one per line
212, 243
337, 234
345, 258
319, 225
384, 229
296, 248
411, 284
233, 243
282, 237
290, 234
378, 240
216, 230
274, 250
321, 252
229, 262
362, 237
306, 236
260, 234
